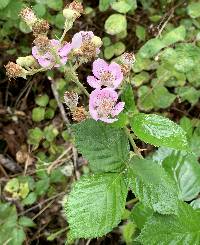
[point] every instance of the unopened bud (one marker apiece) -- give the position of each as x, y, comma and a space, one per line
76, 6
80, 114
14, 70
27, 61
70, 14
71, 100
42, 42
40, 27
128, 58
28, 16
97, 41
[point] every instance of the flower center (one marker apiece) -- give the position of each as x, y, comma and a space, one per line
105, 107
107, 79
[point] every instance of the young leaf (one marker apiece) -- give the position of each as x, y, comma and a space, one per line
159, 131
105, 147
151, 184
96, 204
185, 170
181, 229
151, 48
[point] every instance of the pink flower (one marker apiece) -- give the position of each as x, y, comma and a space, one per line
103, 105
81, 37
47, 58
105, 75
84, 43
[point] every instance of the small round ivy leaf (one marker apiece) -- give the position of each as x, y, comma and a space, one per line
115, 24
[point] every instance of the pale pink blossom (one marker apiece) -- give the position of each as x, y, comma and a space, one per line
103, 105
81, 37
107, 75
49, 58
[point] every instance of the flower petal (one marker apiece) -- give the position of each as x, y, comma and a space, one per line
64, 51
77, 40
117, 109
115, 69
93, 82
99, 66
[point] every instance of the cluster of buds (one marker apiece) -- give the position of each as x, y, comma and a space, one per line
14, 70
103, 103
78, 112
38, 26
71, 12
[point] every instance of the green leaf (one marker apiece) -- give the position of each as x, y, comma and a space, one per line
151, 48
42, 186
187, 56
104, 4
123, 6
181, 229
193, 10
159, 131
196, 203
38, 114
190, 94
140, 214
55, 5
96, 204
140, 32
152, 185
26, 222
128, 98
105, 147
115, 24
42, 100
176, 35
140, 78
4, 3
17, 236
185, 170
187, 126
39, 9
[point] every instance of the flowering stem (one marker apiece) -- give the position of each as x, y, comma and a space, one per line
63, 35
135, 148
80, 85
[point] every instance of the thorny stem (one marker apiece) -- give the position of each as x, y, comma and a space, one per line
135, 148
78, 83
63, 35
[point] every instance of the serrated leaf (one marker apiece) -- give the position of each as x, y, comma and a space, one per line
185, 170
96, 204
115, 24
183, 229
190, 94
159, 131
152, 185
140, 214
105, 147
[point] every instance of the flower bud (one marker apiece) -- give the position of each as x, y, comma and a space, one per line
40, 27
70, 14
14, 70
96, 41
79, 114
28, 16
27, 61
42, 42
71, 100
